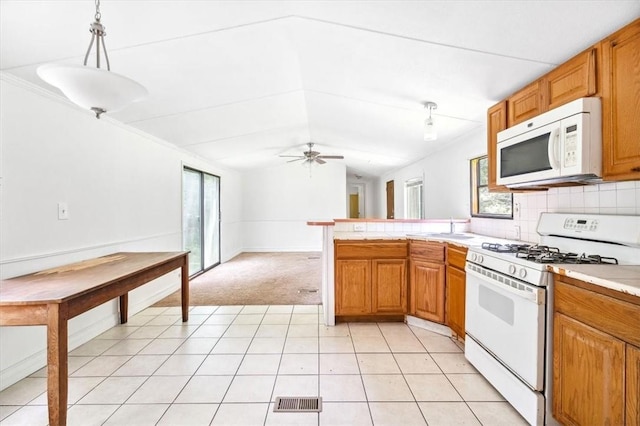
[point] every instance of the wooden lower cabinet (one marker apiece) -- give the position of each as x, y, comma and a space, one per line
389, 286
427, 290
456, 292
353, 287
369, 285
588, 367
633, 386
596, 355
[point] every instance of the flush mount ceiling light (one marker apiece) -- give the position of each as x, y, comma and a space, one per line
91, 88
430, 133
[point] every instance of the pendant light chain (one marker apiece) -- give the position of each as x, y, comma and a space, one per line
97, 31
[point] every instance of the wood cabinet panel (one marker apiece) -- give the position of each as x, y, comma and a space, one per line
588, 377
456, 256
526, 103
455, 302
389, 286
353, 287
496, 122
572, 80
370, 249
428, 250
621, 104
633, 386
427, 290
613, 314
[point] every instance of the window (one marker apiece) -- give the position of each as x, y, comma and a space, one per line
483, 202
413, 205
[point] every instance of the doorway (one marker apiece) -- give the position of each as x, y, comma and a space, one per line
356, 200
391, 212
201, 219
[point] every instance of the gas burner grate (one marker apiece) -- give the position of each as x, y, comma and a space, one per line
504, 248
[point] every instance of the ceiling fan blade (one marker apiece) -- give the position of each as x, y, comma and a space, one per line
296, 159
292, 156
319, 160
331, 157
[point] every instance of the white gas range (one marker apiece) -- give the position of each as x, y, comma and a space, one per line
509, 304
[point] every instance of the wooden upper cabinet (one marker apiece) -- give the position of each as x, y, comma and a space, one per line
621, 104
496, 121
526, 103
572, 80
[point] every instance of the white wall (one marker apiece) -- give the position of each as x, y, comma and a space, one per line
446, 179
279, 201
123, 190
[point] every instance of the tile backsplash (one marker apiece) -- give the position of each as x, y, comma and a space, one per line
621, 198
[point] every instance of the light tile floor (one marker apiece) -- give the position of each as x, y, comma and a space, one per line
227, 365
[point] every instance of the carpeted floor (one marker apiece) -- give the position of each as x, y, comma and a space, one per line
257, 279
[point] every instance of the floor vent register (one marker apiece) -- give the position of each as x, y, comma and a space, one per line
297, 404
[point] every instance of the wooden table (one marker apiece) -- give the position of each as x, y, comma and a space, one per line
54, 296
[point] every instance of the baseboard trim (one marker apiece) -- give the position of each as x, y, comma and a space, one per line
35, 362
428, 325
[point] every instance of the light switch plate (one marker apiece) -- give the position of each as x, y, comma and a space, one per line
359, 227
63, 211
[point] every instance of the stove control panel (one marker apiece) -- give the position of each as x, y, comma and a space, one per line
577, 224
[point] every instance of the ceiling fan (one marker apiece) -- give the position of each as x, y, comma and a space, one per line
312, 156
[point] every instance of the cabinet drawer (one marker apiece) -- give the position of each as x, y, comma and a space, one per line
456, 256
428, 250
602, 312
370, 250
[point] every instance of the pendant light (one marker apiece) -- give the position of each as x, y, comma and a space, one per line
430, 133
96, 89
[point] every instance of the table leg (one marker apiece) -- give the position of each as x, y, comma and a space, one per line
185, 289
124, 308
57, 367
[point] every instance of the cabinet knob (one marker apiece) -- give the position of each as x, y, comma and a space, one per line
635, 169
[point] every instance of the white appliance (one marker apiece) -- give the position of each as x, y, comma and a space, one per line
509, 301
561, 145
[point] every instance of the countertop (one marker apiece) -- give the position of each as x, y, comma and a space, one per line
624, 278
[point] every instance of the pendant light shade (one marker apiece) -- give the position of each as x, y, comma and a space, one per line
93, 88
96, 89
430, 132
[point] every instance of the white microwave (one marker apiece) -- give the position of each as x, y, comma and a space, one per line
560, 145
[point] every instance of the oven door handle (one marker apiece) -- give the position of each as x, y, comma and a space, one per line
537, 296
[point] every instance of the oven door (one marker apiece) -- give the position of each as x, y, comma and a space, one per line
529, 157
508, 322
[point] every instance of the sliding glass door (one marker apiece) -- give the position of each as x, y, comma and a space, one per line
201, 219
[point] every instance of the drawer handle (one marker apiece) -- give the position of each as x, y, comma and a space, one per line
635, 169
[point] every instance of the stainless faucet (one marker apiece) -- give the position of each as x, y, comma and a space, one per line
452, 227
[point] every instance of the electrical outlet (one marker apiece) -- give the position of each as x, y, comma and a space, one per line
358, 227
518, 234
516, 210
63, 211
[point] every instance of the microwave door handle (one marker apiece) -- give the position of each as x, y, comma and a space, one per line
552, 149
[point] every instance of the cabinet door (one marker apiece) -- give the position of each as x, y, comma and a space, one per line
588, 374
427, 290
389, 286
456, 290
496, 121
633, 386
526, 103
620, 104
353, 287
572, 80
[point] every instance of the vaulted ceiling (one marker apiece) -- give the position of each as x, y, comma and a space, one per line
242, 82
